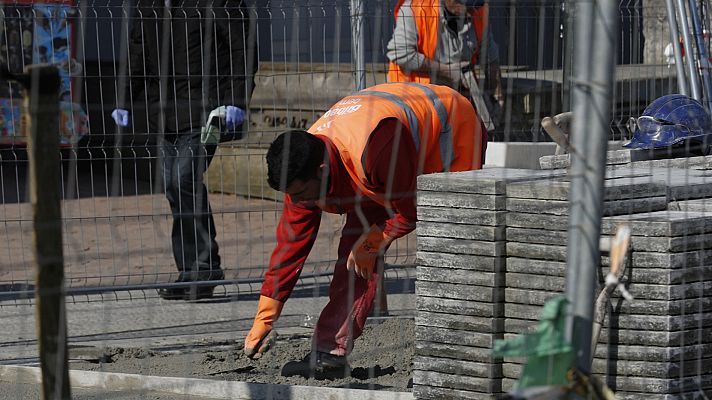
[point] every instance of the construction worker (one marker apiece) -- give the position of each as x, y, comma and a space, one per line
361, 158
441, 41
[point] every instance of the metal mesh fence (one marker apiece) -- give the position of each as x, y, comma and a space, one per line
136, 219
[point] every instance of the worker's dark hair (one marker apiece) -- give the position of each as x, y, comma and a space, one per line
293, 155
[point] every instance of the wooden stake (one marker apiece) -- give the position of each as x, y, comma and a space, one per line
41, 113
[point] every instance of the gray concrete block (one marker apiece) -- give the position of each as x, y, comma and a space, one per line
537, 221
625, 321
527, 296
669, 223
459, 261
641, 291
453, 336
640, 259
652, 387
614, 189
437, 393
461, 216
460, 276
508, 384
455, 381
638, 243
461, 200
645, 369
666, 223
459, 322
460, 307
703, 206
692, 395
640, 159
513, 370
484, 181
626, 337
677, 354
461, 246
456, 351
460, 231
657, 385
536, 251
638, 306
457, 367
535, 282
455, 291
615, 207
536, 267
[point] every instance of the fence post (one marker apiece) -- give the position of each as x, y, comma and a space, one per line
358, 42
594, 62
41, 113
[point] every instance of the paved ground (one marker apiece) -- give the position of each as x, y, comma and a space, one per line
141, 320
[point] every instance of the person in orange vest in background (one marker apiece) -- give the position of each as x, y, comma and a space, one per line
361, 158
440, 42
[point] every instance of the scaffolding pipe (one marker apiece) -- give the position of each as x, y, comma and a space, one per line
703, 61
674, 41
358, 42
594, 61
687, 42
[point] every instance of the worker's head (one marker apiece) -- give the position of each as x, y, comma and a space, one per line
460, 7
296, 165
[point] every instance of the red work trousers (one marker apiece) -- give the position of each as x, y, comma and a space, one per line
350, 297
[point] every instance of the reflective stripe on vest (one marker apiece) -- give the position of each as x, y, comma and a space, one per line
446, 146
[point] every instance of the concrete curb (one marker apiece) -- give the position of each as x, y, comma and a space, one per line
112, 381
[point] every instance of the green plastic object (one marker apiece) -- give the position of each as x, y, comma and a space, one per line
210, 134
549, 355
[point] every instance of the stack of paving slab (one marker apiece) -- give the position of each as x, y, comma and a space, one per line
662, 158
666, 331
460, 282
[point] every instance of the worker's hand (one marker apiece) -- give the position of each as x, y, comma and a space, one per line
234, 116
261, 337
453, 71
368, 248
494, 83
120, 116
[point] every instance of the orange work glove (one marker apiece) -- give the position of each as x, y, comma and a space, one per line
363, 256
261, 337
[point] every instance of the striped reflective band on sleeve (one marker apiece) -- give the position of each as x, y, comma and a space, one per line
409, 113
447, 151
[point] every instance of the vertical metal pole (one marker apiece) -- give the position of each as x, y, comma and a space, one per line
689, 52
358, 42
596, 32
704, 63
569, 10
674, 38
41, 105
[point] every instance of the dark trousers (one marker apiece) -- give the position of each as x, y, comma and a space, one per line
184, 160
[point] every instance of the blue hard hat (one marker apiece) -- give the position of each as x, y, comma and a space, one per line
670, 120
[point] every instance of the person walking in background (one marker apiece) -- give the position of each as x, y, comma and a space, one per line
441, 42
185, 59
361, 158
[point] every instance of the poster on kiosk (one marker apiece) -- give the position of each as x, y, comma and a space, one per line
39, 32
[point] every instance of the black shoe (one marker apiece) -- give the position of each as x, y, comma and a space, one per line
193, 292
324, 366
326, 361
186, 293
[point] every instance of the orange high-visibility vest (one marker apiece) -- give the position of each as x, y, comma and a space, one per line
445, 129
427, 22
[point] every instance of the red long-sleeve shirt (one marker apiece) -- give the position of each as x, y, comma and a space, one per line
391, 169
